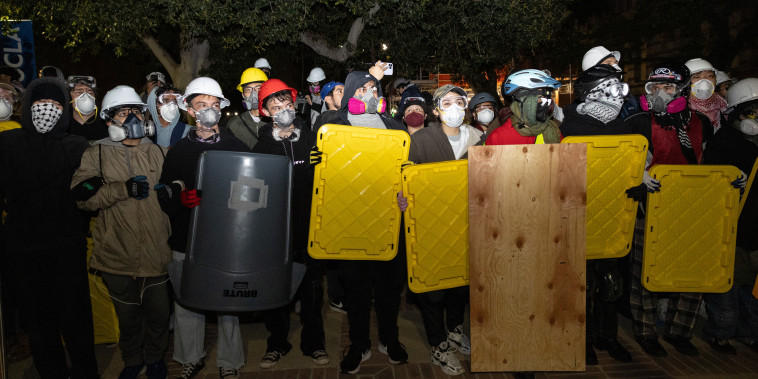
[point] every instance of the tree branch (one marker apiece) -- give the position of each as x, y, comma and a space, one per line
163, 56
339, 54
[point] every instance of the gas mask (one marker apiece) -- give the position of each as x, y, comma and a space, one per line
749, 127
366, 104
703, 89
85, 104
485, 116
314, 88
284, 118
169, 112
132, 128
251, 102
6, 109
45, 116
208, 117
662, 102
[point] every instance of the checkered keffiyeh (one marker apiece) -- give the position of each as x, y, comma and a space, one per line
45, 116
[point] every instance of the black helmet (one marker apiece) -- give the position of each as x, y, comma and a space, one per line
674, 73
482, 97
593, 76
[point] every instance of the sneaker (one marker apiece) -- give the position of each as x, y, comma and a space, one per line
227, 372
614, 348
337, 306
351, 362
722, 346
651, 346
131, 372
271, 359
190, 370
395, 351
444, 357
682, 345
459, 340
157, 370
320, 357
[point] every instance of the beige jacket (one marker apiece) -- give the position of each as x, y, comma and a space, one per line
130, 236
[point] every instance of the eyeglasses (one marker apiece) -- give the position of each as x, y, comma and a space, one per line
250, 89
458, 101
124, 112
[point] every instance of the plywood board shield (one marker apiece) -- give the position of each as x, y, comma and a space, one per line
527, 241
614, 163
436, 225
691, 229
354, 213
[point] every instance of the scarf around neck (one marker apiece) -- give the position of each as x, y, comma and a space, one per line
711, 107
548, 129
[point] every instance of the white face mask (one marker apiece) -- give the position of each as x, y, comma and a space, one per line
85, 104
485, 116
6, 109
169, 112
703, 89
749, 126
453, 116
45, 116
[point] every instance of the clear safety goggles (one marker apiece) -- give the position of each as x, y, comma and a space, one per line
617, 90
521, 94
168, 98
408, 100
457, 101
88, 81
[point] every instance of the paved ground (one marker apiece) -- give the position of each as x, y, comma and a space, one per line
295, 366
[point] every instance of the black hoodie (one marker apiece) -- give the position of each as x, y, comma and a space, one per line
35, 178
355, 80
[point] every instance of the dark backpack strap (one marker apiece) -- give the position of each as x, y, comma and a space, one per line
176, 134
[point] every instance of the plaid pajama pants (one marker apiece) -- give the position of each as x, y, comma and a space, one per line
682, 312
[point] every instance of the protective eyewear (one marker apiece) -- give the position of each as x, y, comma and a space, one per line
167, 98
522, 94
415, 98
250, 89
617, 90
88, 81
124, 112
458, 101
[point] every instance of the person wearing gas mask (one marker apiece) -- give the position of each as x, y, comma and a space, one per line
363, 105
601, 96
703, 97
177, 195
412, 110
44, 231
331, 94
442, 311
600, 55
131, 233
245, 125
285, 136
84, 121
483, 107
733, 316
531, 120
676, 137
164, 110
8, 101
316, 103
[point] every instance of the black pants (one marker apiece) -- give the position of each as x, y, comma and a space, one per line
436, 305
54, 300
311, 293
602, 316
381, 280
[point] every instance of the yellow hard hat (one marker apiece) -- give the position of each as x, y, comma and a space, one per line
251, 75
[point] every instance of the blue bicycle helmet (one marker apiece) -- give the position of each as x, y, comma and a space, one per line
528, 79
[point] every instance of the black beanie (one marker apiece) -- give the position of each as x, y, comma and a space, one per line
47, 91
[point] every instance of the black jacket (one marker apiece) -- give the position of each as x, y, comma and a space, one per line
302, 177
575, 124
181, 164
355, 80
92, 130
35, 178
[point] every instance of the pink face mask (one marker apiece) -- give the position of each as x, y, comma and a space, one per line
357, 106
674, 106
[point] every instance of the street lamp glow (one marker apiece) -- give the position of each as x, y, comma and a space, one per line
384, 46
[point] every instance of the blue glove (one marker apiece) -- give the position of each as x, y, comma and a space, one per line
741, 181
138, 187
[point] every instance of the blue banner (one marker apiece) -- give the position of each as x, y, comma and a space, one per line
18, 50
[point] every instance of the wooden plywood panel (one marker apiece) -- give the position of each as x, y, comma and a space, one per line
527, 257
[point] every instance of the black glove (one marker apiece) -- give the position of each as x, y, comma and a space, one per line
88, 188
637, 193
138, 187
315, 156
167, 192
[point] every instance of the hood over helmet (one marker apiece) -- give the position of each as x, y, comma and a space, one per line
46, 88
355, 80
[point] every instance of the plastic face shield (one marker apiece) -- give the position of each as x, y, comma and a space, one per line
450, 101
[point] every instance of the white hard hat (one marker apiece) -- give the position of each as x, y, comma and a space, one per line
698, 64
722, 77
596, 55
741, 92
262, 63
203, 86
118, 96
316, 75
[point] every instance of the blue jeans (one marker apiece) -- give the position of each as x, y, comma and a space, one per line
732, 315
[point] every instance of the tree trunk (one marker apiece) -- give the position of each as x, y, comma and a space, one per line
194, 57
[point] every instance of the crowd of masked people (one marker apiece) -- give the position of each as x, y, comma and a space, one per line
125, 173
